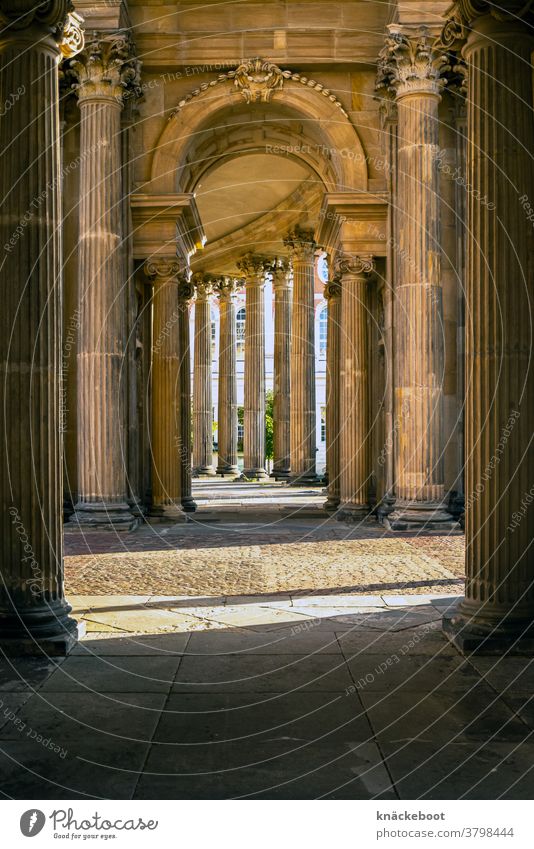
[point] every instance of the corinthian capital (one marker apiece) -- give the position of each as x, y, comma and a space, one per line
204, 285
254, 268
301, 245
226, 287
410, 62
281, 271
107, 68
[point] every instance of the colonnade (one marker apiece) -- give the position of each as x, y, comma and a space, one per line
499, 461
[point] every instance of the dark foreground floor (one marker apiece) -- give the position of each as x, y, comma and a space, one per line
348, 707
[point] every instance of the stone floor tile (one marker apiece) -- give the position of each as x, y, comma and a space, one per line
236, 674
254, 718
142, 619
18, 674
71, 716
476, 714
340, 768
302, 639
425, 640
136, 645
410, 673
10, 704
507, 672
90, 767
114, 674
471, 770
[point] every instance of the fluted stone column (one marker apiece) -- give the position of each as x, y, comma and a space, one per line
499, 598
355, 436
227, 399
254, 269
166, 390
303, 413
186, 291
103, 70
34, 616
202, 395
332, 294
282, 366
414, 68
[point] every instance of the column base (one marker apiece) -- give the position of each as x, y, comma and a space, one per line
385, 507
420, 516
331, 504
46, 630
305, 479
253, 475
470, 638
280, 474
166, 513
203, 472
102, 516
353, 514
230, 471
188, 504
136, 507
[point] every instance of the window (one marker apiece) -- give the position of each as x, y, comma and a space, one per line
322, 268
240, 332
214, 318
323, 424
323, 332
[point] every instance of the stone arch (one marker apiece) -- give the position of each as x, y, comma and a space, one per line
295, 97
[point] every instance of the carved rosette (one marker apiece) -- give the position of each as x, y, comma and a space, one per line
107, 68
301, 244
410, 62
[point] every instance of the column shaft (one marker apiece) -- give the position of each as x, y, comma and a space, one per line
282, 366
499, 470
102, 367
333, 364
254, 414
185, 294
166, 435
302, 407
354, 459
202, 395
227, 399
419, 338
33, 611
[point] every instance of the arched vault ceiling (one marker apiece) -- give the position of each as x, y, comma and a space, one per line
245, 188
265, 234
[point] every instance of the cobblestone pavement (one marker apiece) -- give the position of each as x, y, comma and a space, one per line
256, 539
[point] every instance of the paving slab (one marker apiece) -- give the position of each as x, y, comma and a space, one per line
114, 674
71, 716
284, 674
